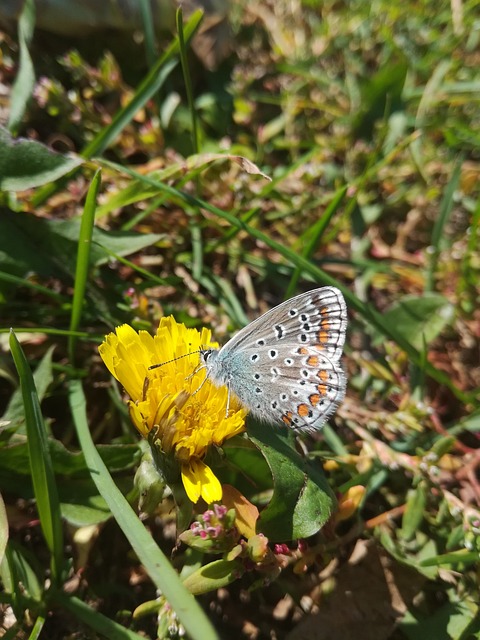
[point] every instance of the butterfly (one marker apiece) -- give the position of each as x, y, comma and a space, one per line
285, 366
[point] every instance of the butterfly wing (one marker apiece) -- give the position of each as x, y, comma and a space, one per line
298, 387
285, 366
317, 319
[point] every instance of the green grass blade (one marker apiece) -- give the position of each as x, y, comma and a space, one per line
446, 207
43, 479
148, 31
188, 80
37, 628
25, 80
315, 234
147, 89
24, 282
93, 619
157, 565
83, 260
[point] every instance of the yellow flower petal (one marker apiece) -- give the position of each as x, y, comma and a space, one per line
200, 481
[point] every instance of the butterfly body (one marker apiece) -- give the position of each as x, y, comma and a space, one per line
285, 365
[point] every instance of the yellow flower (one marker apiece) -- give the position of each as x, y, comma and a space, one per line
171, 405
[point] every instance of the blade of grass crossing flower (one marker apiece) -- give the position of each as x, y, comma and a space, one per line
83, 260
446, 207
315, 234
41, 467
366, 311
150, 85
93, 619
156, 564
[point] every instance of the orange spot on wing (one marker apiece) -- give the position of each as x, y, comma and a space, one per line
303, 410
322, 335
323, 375
302, 351
312, 361
314, 399
287, 418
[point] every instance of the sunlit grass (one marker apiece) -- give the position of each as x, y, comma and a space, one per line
366, 119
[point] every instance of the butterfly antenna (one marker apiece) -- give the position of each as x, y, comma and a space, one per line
161, 364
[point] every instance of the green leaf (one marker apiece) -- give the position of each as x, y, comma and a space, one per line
302, 500
414, 510
49, 247
20, 575
382, 94
86, 507
82, 270
419, 318
25, 163
448, 622
24, 82
214, 575
40, 461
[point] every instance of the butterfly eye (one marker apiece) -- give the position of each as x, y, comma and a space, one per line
206, 355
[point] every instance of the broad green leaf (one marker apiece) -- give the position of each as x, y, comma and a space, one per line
84, 509
419, 318
26, 163
20, 574
302, 500
48, 247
